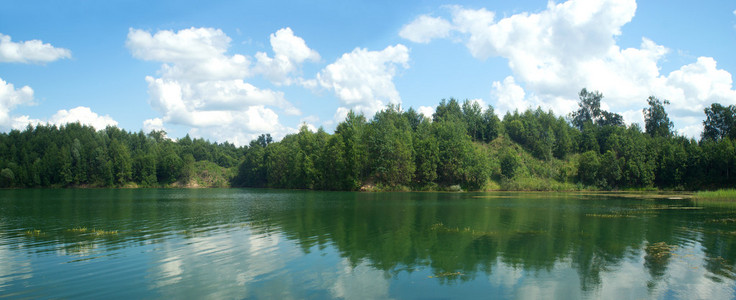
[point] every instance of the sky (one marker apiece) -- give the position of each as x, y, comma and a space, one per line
232, 70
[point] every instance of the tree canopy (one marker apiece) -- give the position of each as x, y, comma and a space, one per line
461, 146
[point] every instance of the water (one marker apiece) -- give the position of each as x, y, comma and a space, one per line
243, 243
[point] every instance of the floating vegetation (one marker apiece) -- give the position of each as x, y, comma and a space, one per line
659, 251
669, 207
439, 227
722, 221
446, 274
94, 231
104, 232
617, 215
35, 232
78, 230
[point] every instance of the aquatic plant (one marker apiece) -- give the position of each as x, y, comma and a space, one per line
104, 232
78, 229
722, 194
34, 232
446, 274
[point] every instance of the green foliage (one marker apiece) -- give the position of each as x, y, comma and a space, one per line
590, 111
7, 178
462, 147
720, 122
509, 162
588, 166
76, 155
426, 154
656, 121
454, 150
390, 148
448, 111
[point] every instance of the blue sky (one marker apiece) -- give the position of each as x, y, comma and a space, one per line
231, 70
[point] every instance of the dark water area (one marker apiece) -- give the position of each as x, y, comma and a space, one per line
252, 243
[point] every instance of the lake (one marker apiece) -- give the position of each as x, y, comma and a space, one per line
278, 244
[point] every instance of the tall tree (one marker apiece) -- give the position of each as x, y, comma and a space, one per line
719, 122
390, 147
590, 111
491, 125
656, 121
473, 117
447, 110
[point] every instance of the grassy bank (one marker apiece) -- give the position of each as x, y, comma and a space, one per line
718, 195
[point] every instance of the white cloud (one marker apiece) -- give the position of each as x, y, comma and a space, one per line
80, 114
194, 54
290, 52
33, 51
83, 115
10, 97
153, 124
427, 111
695, 86
202, 86
363, 80
556, 52
509, 96
425, 28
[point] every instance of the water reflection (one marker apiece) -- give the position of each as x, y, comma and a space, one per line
288, 244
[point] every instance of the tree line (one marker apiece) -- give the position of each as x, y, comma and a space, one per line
75, 155
466, 146
462, 146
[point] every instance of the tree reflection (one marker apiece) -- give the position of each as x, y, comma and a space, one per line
455, 236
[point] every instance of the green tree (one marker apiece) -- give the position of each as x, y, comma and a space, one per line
168, 165
610, 170
454, 146
352, 133
509, 162
590, 111
122, 163
426, 149
656, 121
719, 122
390, 147
447, 110
473, 117
7, 178
588, 166
491, 125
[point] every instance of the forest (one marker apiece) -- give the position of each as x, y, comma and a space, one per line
463, 146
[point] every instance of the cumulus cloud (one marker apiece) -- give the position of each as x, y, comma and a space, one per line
556, 52
193, 54
427, 111
10, 98
202, 86
83, 115
33, 51
153, 124
509, 95
425, 28
290, 52
362, 80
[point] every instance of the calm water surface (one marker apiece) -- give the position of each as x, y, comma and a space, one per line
242, 243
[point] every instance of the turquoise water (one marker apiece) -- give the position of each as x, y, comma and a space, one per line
249, 243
